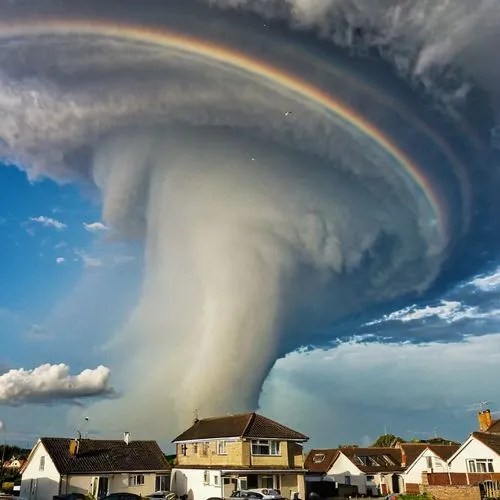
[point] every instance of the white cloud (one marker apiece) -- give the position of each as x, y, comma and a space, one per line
323, 392
60, 260
487, 283
448, 310
49, 222
94, 227
87, 260
50, 383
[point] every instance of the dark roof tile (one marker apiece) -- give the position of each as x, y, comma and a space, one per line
492, 441
99, 455
250, 425
320, 461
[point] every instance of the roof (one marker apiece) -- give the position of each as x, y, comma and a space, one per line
249, 425
492, 441
494, 427
99, 455
320, 461
414, 450
377, 459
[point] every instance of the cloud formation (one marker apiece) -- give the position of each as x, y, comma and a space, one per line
331, 390
47, 384
60, 260
49, 222
249, 220
94, 227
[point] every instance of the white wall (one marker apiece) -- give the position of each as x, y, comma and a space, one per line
343, 467
46, 482
414, 474
473, 448
191, 482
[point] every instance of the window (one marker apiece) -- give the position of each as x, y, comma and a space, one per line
370, 479
265, 447
183, 448
195, 448
480, 465
162, 483
205, 448
216, 480
429, 462
221, 448
136, 480
347, 480
206, 477
42, 463
318, 458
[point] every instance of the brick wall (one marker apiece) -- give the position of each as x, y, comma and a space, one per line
412, 488
456, 478
453, 492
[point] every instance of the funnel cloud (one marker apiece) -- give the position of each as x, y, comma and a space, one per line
262, 229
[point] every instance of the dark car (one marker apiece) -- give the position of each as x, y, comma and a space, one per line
122, 496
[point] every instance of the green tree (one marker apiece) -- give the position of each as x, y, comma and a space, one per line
387, 441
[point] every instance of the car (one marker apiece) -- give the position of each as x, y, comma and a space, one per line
122, 496
260, 493
170, 495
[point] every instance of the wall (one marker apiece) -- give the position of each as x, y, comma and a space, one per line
414, 474
291, 483
235, 454
46, 482
343, 467
191, 483
118, 483
454, 492
76, 484
473, 449
238, 453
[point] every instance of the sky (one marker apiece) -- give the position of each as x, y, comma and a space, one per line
224, 206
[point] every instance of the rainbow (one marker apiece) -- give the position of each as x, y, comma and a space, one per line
245, 63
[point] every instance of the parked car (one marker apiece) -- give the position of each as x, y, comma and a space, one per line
122, 496
260, 493
170, 495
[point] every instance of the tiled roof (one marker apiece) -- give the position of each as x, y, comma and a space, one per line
320, 461
250, 425
412, 451
98, 455
444, 451
492, 441
379, 459
494, 427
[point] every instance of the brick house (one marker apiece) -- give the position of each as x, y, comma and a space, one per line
216, 456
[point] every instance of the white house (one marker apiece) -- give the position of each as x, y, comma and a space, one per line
431, 458
479, 454
59, 466
218, 455
375, 471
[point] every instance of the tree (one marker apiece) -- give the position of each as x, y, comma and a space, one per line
387, 441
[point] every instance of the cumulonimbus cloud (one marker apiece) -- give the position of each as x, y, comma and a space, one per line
248, 214
47, 384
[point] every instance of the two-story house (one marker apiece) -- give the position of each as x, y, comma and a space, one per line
216, 456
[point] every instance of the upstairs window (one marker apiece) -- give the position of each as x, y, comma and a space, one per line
195, 448
205, 448
318, 458
206, 477
265, 447
42, 463
429, 462
221, 448
183, 449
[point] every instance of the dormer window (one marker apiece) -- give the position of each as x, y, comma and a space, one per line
318, 458
265, 447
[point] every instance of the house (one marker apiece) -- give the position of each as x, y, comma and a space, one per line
419, 458
375, 471
216, 456
93, 466
478, 457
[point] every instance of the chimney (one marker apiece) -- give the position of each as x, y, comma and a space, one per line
126, 437
484, 419
74, 446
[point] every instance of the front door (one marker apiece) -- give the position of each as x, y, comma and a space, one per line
102, 487
395, 483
